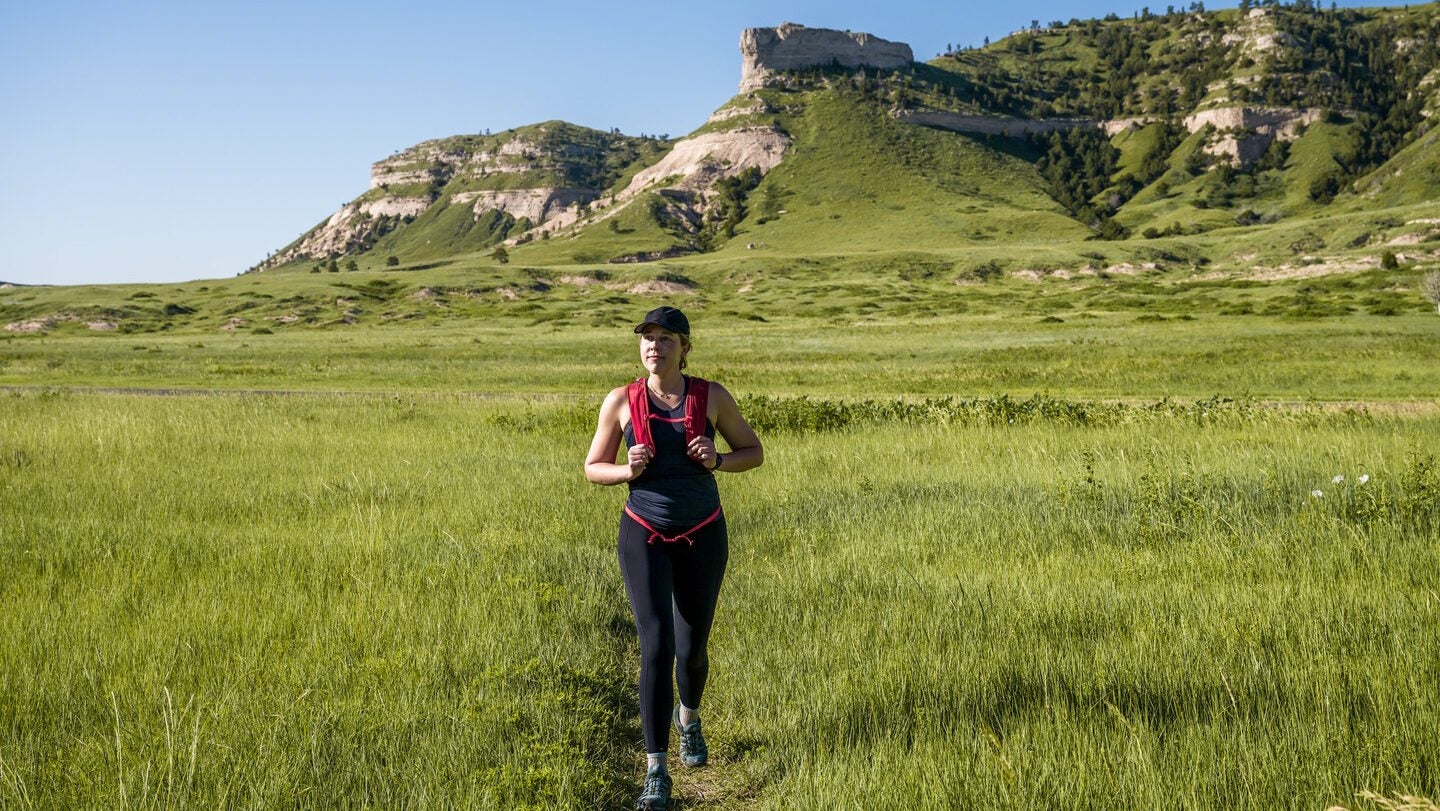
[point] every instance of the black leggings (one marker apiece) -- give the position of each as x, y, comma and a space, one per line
673, 588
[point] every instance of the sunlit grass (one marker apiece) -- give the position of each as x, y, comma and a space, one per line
414, 600
1105, 355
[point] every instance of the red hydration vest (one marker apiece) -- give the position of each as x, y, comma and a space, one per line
697, 397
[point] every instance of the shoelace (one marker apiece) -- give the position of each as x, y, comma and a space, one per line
691, 743
657, 784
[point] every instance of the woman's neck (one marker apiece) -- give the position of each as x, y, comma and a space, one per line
671, 382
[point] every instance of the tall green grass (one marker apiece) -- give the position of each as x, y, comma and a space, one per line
1104, 354
414, 600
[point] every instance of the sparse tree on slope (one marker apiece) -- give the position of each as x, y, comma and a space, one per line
1430, 288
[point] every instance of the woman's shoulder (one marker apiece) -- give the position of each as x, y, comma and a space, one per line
617, 395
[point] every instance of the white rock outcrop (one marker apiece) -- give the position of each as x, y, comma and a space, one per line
395, 206
539, 205
1430, 86
1272, 121
684, 175
1244, 132
727, 113
352, 223
1116, 126
1257, 34
704, 159
764, 51
1247, 132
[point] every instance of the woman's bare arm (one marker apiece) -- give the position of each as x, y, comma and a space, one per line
745, 450
600, 466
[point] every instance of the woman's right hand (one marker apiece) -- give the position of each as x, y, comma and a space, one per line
639, 457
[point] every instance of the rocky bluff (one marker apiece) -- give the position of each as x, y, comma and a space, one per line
766, 51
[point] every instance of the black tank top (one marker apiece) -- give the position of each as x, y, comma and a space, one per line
674, 491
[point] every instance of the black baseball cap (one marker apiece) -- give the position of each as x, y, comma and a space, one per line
667, 318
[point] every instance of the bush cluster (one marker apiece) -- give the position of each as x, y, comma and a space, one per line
812, 415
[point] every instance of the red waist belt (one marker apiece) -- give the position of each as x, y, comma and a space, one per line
683, 536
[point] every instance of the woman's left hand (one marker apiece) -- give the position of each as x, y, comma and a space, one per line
702, 450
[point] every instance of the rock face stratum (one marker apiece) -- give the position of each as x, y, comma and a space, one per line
699, 162
1242, 133
764, 51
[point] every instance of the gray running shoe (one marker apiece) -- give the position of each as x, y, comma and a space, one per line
655, 793
693, 751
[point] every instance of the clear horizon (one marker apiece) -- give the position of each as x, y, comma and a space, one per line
165, 142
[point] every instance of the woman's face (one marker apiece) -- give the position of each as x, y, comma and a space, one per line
661, 349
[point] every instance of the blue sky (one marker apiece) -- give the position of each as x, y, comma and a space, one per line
155, 141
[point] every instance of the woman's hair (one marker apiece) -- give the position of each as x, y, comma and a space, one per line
685, 345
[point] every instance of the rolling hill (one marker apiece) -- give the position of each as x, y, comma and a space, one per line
1275, 145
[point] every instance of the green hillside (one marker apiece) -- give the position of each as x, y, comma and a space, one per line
1349, 89
1276, 147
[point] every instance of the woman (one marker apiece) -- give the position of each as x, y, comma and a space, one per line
673, 544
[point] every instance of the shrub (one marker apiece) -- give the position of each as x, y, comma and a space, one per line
392, 261
1388, 261
1324, 188
984, 272
809, 415
1111, 230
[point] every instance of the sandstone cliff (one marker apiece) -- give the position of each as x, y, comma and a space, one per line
683, 176
1246, 132
698, 162
1242, 133
764, 51
536, 205
531, 176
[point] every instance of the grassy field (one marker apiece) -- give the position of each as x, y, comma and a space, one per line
414, 600
1047, 521
1022, 540
1164, 352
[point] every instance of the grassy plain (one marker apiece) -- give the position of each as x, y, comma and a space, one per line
414, 601
1344, 338
982, 567
1381, 359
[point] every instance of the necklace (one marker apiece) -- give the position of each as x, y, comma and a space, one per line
666, 397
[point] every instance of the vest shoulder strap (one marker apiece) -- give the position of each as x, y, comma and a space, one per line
639, 412
697, 402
